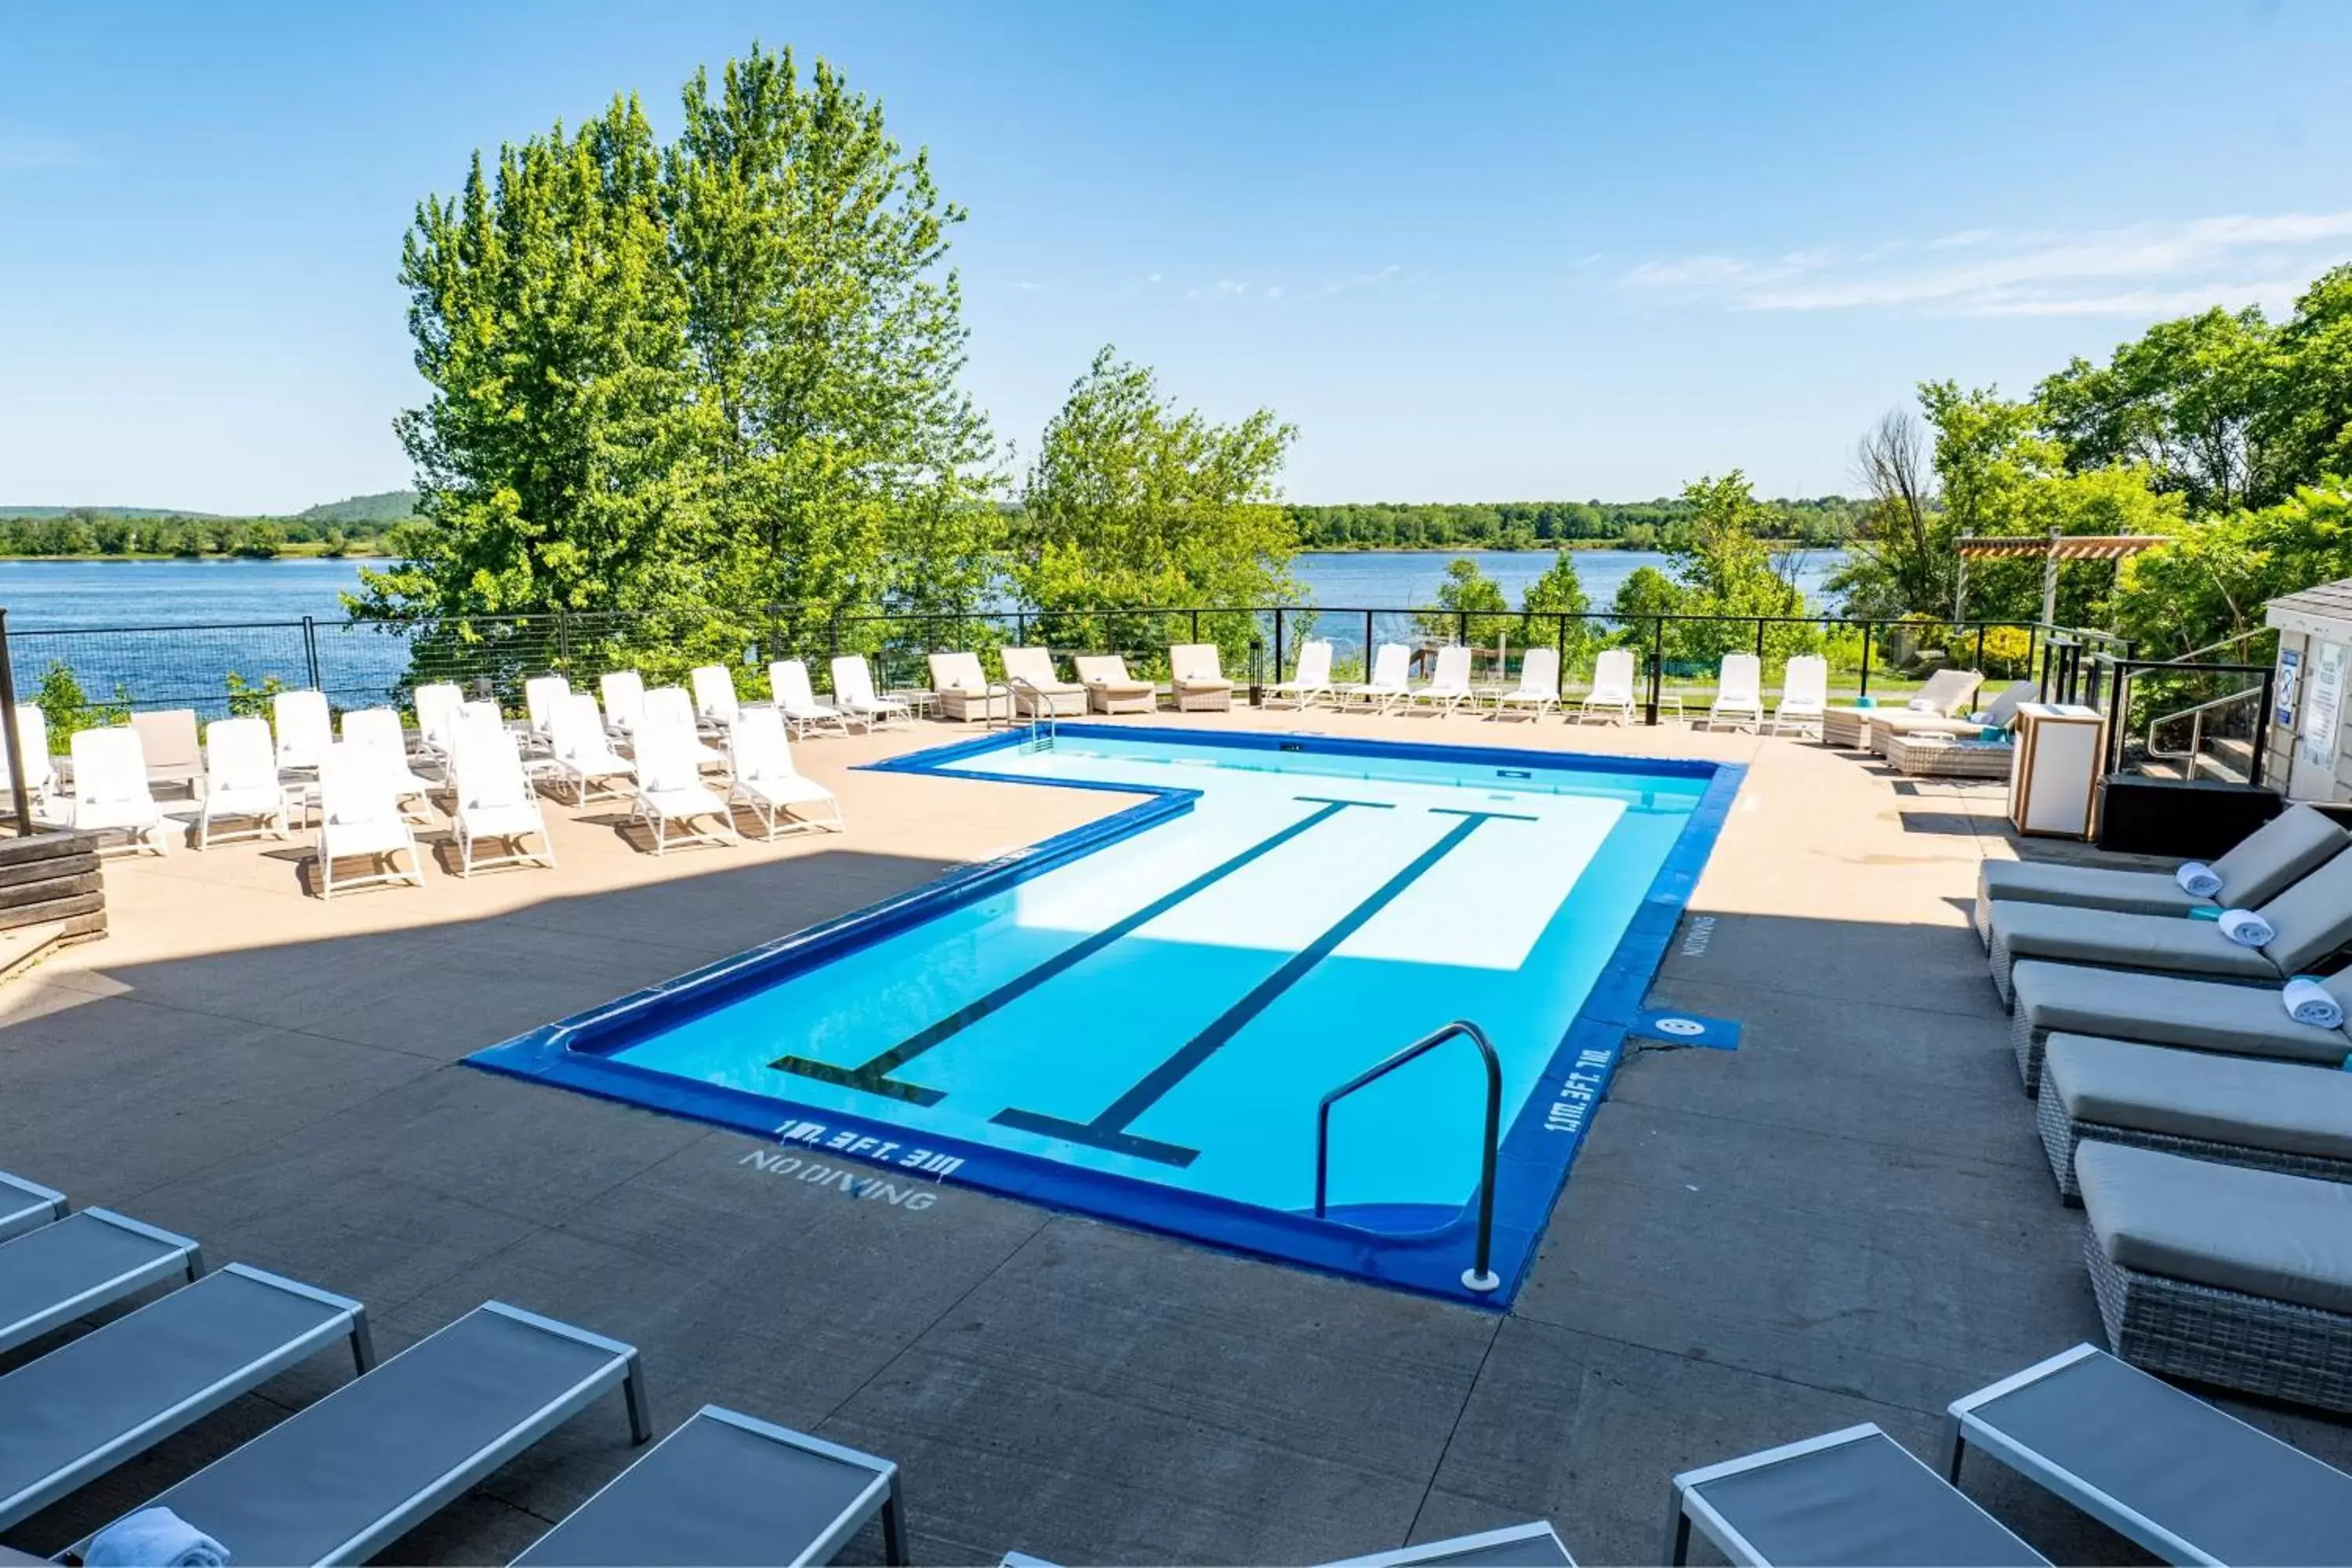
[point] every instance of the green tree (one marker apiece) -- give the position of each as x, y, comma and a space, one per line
2182, 401
1475, 604
1726, 571
1560, 592
1132, 501
2210, 580
2305, 426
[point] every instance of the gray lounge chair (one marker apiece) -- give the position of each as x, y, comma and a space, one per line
726, 1489
2282, 851
113, 1394
2221, 1274
2311, 920
345, 1477
2160, 1467
2164, 1010
1855, 1497
1515, 1546
71, 1268
2272, 1116
26, 1205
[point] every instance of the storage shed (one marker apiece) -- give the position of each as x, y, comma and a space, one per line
2310, 748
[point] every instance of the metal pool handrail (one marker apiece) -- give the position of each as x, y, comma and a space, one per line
1042, 725
1479, 1275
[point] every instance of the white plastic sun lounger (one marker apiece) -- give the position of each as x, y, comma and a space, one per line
1387, 689
31, 736
1196, 681
2159, 1466
1612, 696
305, 730
1851, 1499
109, 788
670, 793
728, 1492
1804, 694
174, 755
438, 706
115, 1393
1310, 681
241, 781
669, 710
72, 1266
766, 781
1514, 1546
1036, 689
495, 801
360, 818
1108, 686
376, 730
714, 696
853, 689
1538, 691
796, 700
26, 1205
1738, 691
343, 1478
582, 751
623, 691
540, 694
1449, 688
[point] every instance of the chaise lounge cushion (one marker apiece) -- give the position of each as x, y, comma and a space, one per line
2288, 1239
2281, 1106
2176, 1010
2084, 887
2127, 942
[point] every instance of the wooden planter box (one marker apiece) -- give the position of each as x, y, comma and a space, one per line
53, 876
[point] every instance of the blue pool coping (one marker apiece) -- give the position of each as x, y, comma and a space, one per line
869, 1156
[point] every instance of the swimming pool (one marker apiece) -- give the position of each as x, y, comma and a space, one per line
1138, 1018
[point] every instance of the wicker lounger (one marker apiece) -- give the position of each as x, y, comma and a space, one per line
2274, 856
2164, 1010
1110, 689
2272, 1116
725, 1490
1853, 1497
2221, 1274
2160, 1467
26, 1205
346, 1476
115, 1393
1946, 757
69, 1268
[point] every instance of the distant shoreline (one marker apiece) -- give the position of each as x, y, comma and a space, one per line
285, 553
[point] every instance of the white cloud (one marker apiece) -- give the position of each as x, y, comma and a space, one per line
1363, 279
2170, 268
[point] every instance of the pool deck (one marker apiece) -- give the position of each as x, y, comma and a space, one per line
1848, 1219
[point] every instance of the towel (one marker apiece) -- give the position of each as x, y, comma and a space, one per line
2246, 927
155, 1538
1920, 705
2198, 880
2309, 1001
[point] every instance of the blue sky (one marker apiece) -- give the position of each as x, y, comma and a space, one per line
1475, 252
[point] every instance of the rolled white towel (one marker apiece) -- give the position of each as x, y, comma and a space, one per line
2309, 1001
2198, 880
155, 1538
2246, 927
1920, 705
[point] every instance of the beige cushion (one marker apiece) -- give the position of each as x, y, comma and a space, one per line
2285, 1237
2120, 940
2085, 888
2284, 1106
2174, 1010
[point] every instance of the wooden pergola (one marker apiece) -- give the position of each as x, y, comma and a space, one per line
2050, 550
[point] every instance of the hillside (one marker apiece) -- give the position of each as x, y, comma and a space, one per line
44, 513
386, 506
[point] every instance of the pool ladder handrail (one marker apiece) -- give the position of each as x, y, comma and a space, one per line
1042, 728
1479, 1275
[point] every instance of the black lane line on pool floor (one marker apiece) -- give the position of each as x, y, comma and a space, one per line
1109, 1131
873, 1075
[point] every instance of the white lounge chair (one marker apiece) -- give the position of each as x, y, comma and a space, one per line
583, 753
963, 690
32, 738
1110, 689
360, 818
496, 804
1804, 694
1538, 691
1738, 691
670, 708
714, 696
670, 790
796, 700
540, 694
623, 691
437, 705
241, 781
174, 755
305, 730
1312, 679
853, 691
376, 730
1387, 687
1449, 688
765, 780
109, 788
1613, 687
1035, 688
1195, 679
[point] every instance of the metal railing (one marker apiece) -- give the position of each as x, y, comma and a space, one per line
1480, 1276
2164, 683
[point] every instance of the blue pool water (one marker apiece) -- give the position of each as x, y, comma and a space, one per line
1141, 1019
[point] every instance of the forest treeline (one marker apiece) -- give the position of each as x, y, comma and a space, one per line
1822, 522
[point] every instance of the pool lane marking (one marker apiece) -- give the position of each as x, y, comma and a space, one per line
873, 1075
1109, 1131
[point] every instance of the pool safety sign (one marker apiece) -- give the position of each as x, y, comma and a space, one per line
1679, 1029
